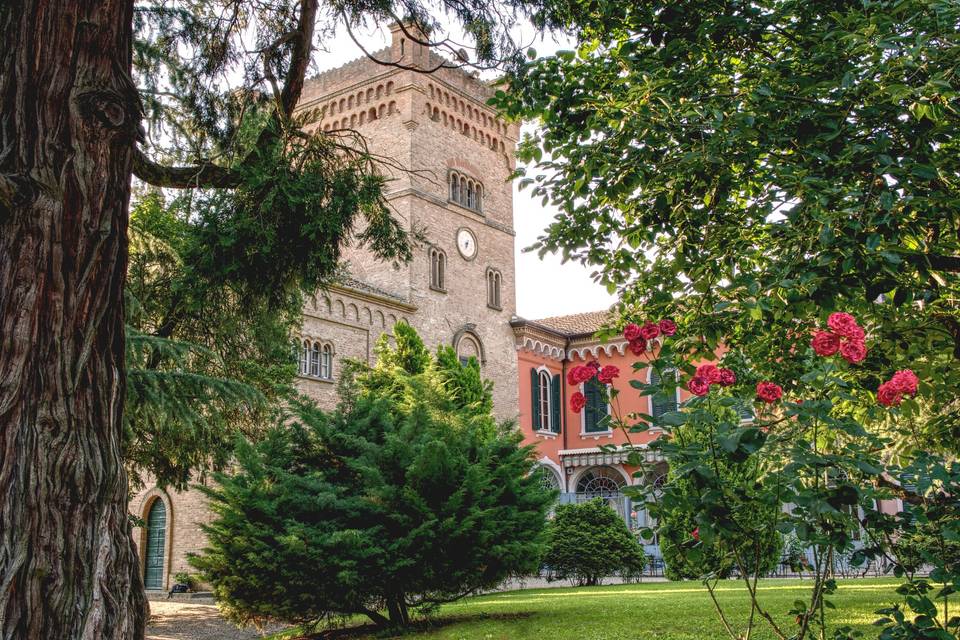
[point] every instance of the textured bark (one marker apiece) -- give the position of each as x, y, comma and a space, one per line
69, 118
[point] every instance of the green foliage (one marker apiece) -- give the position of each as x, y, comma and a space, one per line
186, 578
402, 498
588, 542
746, 539
203, 362
747, 168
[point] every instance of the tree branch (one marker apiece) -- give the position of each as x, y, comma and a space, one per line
215, 176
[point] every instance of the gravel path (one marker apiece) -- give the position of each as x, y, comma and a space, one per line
193, 621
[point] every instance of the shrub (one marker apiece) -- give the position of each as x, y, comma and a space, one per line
587, 542
745, 543
407, 496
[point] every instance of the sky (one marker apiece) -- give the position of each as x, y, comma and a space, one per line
545, 287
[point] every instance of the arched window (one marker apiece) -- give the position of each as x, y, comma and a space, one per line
464, 191
493, 289
545, 397
470, 204
661, 403
315, 360
155, 545
548, 477
545, 413
454, 187
305, 358
478, 198
326, 362
600, 482
438, 267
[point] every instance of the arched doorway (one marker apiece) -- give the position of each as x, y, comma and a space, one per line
155, 545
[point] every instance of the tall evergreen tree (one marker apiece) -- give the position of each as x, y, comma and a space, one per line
218, 82
405, 497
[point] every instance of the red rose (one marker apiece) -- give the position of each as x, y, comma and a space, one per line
696, 534
582, 373
825, 343
593, 364
649, 331
638, 346
631, 332
727, 377
709, 372
853, 351
887, 394
608, 373
698, 386
905, 381
769, 392
668, 327
845, 325
573, 375
577, 402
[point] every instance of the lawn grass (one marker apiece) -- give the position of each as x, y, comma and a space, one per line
661, 611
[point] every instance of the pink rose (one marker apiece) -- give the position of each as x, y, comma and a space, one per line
638, 346
573, 375
769, 392
631, 332
608, 373
853, 351
698, 386
696, 534
845, 325
727, 377
577, 402
887, 395
667, 327
825, 343
649, 331
905, 381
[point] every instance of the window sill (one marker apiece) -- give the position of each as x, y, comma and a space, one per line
596, 435
479, 212
490, 306
314, 378
549, 435
437, 289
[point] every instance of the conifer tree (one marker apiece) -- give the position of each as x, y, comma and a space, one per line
404, 497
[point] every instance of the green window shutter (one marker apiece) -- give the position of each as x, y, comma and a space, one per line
596, 410
555, 404
535, 396
662, 403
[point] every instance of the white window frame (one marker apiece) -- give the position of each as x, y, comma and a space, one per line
326, 362
315, 360
545, 416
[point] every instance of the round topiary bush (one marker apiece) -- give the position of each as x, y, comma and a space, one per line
587, 542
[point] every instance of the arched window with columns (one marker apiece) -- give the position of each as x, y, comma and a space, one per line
494, 280
438, 268
465, 191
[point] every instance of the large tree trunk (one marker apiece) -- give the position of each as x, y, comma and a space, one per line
69, 116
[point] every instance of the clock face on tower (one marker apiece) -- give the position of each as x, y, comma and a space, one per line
467, 243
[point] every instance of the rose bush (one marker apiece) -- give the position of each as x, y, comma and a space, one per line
812, 465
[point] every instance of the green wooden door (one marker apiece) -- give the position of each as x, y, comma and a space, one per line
156, 538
